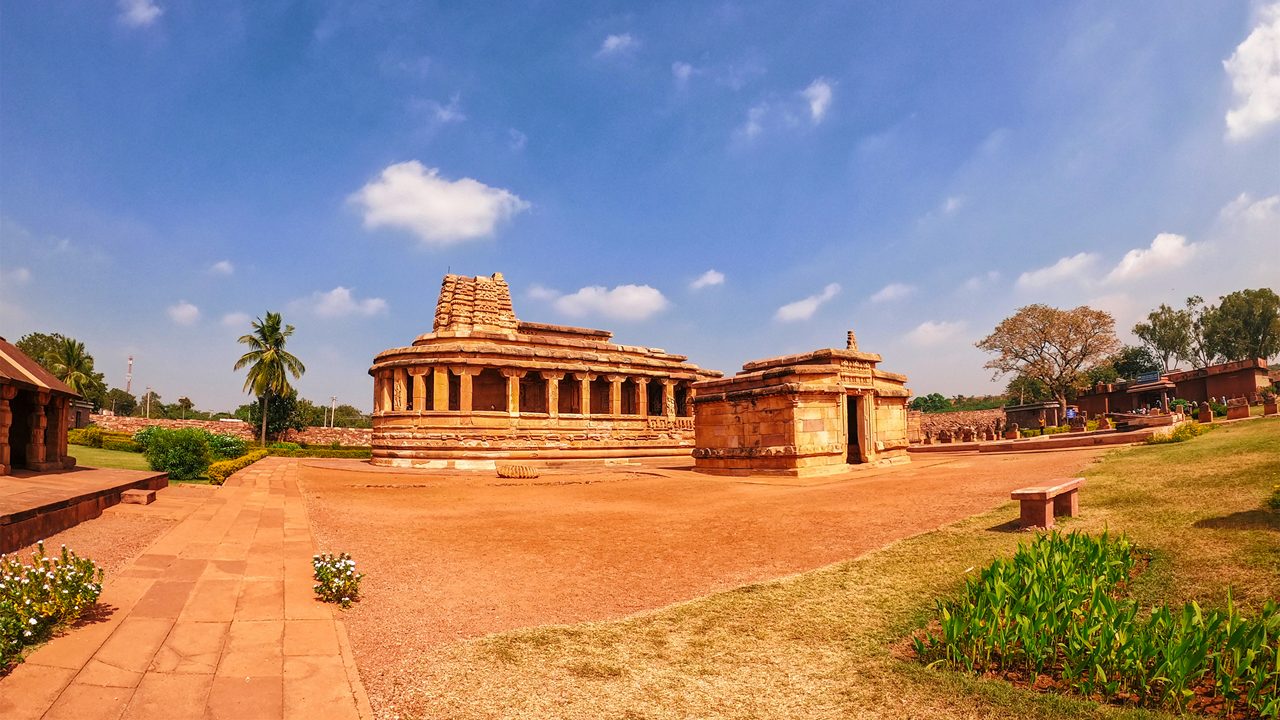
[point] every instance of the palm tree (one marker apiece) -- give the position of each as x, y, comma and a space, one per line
69, 362
268, 362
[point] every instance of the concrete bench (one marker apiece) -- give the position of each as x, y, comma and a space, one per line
1041, 504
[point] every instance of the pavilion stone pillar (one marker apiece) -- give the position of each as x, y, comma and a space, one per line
668, 398
584, 389
398, 394
615, 393
553, 392
464, 386
642, 396
440, 393
384, 391
55, 436
513, 390
7, 393
419, 384
35, 444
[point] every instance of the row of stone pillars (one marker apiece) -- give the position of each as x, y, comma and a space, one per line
398, 388
45, 444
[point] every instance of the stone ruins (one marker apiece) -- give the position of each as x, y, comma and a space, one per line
801, 415
484, 385
34, 409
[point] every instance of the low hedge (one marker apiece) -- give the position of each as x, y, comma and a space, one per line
219, 472
122, 445
88, 436
322, 452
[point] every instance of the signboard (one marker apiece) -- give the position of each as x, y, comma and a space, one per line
1071, 413
1148, 377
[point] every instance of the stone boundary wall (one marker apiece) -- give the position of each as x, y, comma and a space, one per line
933, 423
360, 437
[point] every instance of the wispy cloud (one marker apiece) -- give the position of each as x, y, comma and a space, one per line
1077, 268
340, 302
978, 282
222, 267
183, 313
15, 276
236, 320
892, 291
624, 302
804, 309
614, 45
139, 13
931, 333
410, 196
818, 95
682, 72
1254, 69
516, 140
707, 279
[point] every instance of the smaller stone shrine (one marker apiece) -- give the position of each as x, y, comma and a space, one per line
799, 415
34, 410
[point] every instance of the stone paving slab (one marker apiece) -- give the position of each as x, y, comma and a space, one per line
215, 620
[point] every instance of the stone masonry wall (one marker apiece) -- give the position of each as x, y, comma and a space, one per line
360, 437
933, 423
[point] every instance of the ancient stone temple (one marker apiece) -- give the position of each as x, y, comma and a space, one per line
800, 415
484, 385
34, 409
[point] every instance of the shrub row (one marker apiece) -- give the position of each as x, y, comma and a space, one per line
187, 452
315, 452
93, 436
1057, 608
36, 599
219, 472
122, 445
1182, 433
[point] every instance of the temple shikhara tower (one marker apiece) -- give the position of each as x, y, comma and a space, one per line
484, 385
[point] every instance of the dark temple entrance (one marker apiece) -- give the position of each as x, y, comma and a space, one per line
852, 405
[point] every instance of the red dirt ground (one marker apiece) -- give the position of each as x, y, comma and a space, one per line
455, 556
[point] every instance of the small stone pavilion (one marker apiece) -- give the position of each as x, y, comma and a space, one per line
801, 415
484, 386
34, 409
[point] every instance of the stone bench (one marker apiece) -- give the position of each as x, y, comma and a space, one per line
1042, 503
138, 497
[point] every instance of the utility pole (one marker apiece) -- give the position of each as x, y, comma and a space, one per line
148, 402
333, 409
128, 377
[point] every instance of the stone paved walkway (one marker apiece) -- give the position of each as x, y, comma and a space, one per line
216, 619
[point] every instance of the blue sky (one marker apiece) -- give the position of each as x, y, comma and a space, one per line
727, 180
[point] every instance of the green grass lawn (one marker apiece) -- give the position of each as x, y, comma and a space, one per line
97, 457
831, 643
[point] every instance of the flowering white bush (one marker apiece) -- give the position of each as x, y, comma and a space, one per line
36, 598
336, 578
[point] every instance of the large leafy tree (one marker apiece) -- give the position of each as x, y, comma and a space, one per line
1026, 390
119, 402
931, 403
282, 414
1055, 347
1200, 352
1245, 325
1133, 361
270, 365
1167, 334
350, 416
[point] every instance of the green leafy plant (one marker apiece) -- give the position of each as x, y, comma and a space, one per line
38, 598
121, 445
226, 447
1057, 608
219, 472
184, 454
90, 436
284, 446
336, 578
1182, 433
143, 437
1273, 502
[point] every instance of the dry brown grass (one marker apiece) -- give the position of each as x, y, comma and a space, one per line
824, 644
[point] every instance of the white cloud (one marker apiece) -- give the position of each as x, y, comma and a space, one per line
1167, 251
952, 204
516, 140
184, 313
1254, 69
441, 114
624, 302
818, 95
1245, 208
1078, 267
139, 13
617, 45
754, 124
977, 282
16, 276
892, 291
236, 320
542, 292
930, 333
440, 212
682, 72
804, 309
707, 279
222, 267
340, 302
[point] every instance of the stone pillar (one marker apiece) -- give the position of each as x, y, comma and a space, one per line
615, 393
440, 393
418, 381
585, 388
384, 391
669, 398
642, 393
35, 444
7, 393
513, 390
464, 386
398, 393
553, 392
55, 436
